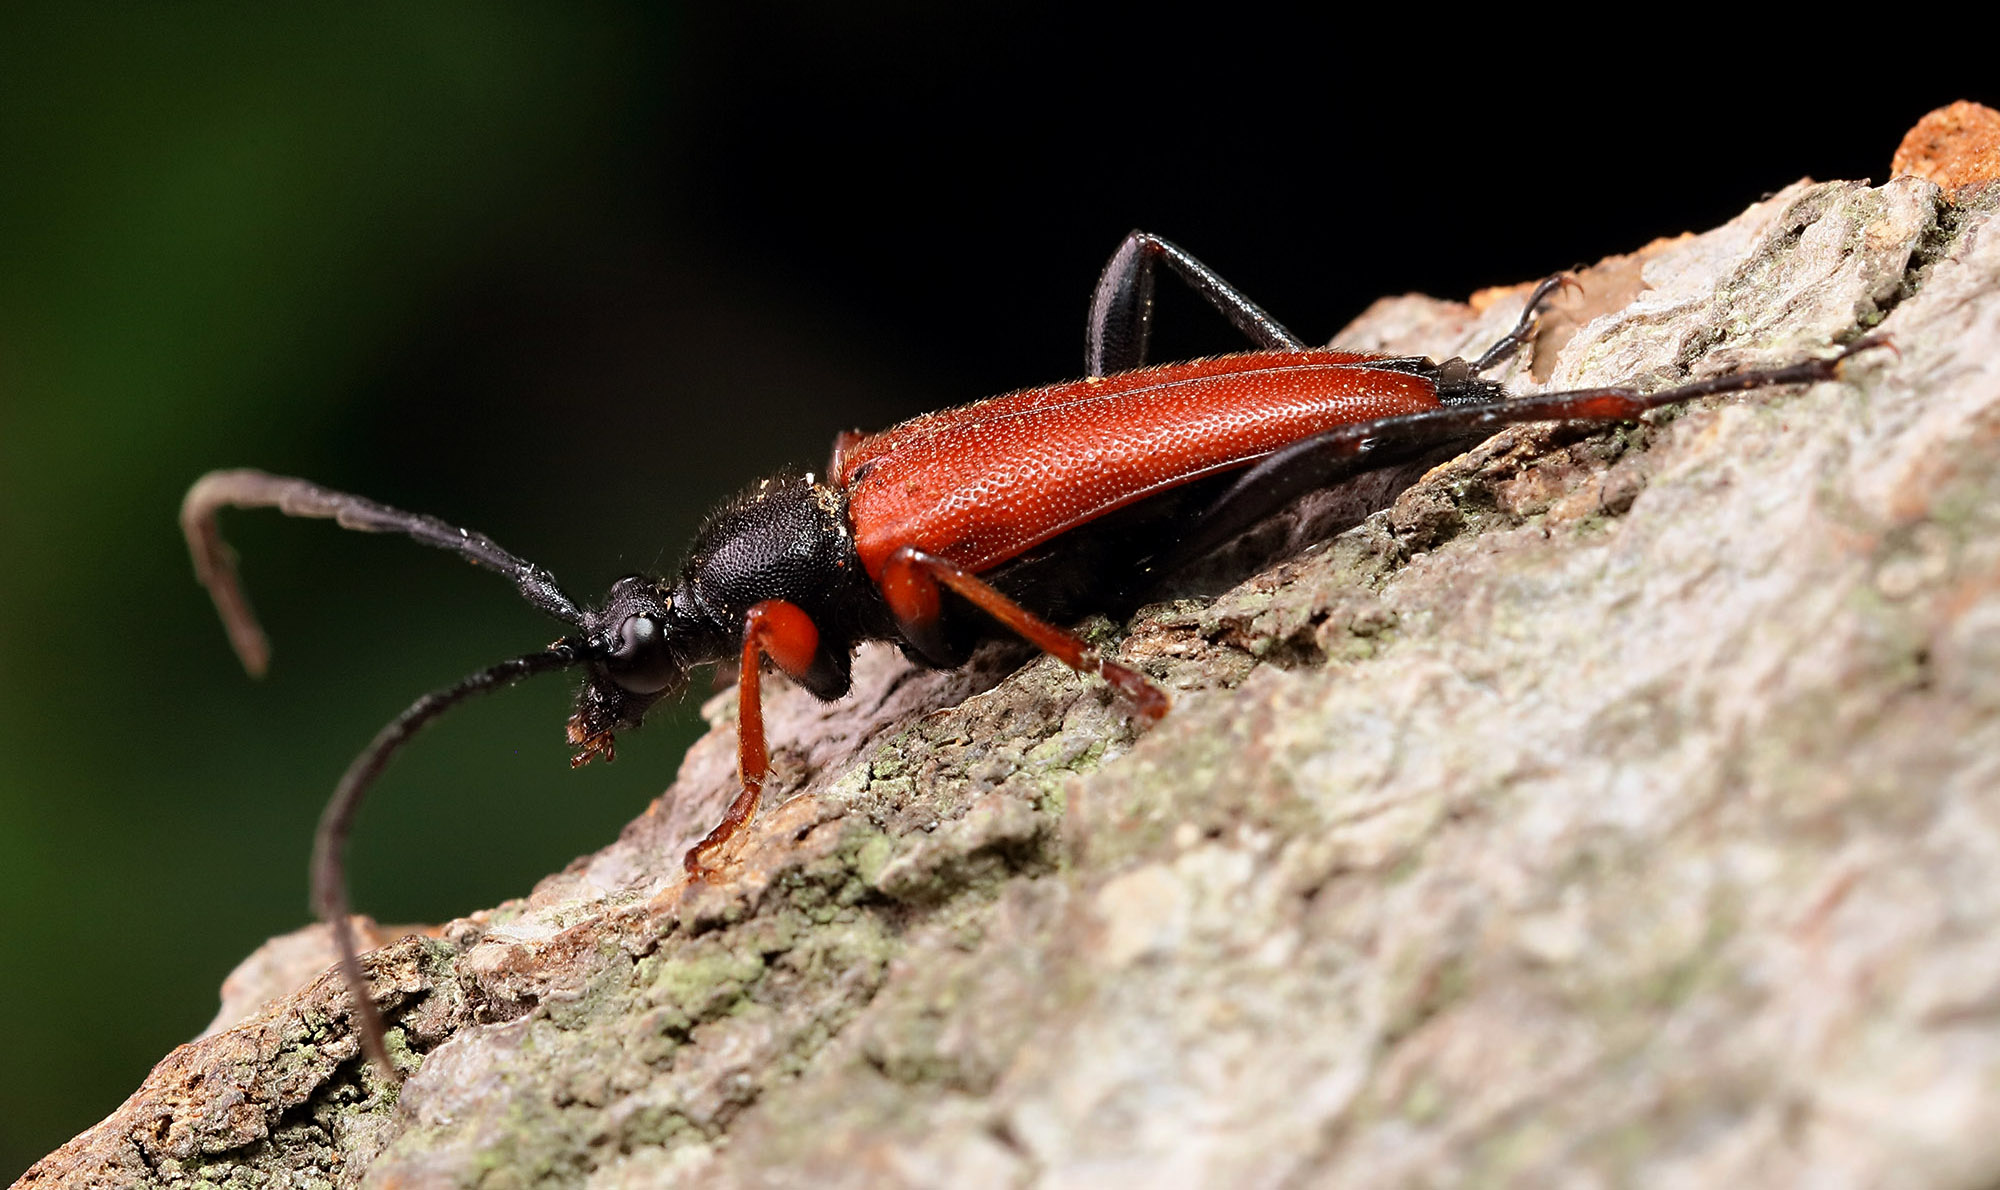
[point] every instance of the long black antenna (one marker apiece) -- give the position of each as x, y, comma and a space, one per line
329, 862
215, 563
215, 566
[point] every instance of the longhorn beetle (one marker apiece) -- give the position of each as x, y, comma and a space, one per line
1018, 512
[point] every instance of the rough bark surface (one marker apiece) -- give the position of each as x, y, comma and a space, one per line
1616, 805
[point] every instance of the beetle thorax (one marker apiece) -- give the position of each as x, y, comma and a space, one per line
786, 538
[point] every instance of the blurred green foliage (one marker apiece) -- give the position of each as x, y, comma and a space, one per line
220, 227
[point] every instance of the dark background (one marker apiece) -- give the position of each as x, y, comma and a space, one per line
569, 274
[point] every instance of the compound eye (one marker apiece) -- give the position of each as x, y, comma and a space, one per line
641, 661
635, 636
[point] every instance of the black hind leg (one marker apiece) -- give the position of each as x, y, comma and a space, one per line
1338, 454
1121, 309
1524, 330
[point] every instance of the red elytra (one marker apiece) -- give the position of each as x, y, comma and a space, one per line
982, 483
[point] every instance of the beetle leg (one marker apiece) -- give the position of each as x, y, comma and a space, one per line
1623, 404
1339, 454
909, 584
786, 634
1121, 308
1524, 330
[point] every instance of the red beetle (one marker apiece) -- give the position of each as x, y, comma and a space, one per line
1018, 512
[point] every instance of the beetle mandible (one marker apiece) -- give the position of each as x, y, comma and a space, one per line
1018, 512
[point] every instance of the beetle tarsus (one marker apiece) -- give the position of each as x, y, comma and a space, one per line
699, 862
1146, 698
1529, 322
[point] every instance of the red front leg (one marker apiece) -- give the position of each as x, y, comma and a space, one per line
786, 634
909, 584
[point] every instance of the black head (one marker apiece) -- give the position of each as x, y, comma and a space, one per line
636, 651
782, 538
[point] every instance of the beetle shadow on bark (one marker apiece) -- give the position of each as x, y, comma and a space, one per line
1314, 518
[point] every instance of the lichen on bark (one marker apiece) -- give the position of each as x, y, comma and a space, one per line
1620, 803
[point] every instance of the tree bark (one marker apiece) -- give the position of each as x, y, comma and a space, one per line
1615, 804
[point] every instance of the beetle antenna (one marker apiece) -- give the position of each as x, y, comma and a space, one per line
215, 563
329, 862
